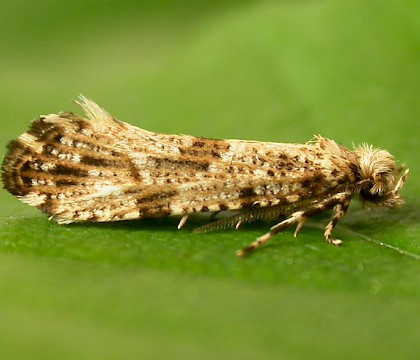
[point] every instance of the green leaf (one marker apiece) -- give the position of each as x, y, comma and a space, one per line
271, 71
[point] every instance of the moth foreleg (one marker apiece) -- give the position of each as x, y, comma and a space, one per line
339, 211
339, 201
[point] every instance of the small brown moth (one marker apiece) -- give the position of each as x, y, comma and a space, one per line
101, 169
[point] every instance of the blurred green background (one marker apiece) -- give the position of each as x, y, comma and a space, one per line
263, 70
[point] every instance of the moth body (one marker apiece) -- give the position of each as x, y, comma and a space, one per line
101, 169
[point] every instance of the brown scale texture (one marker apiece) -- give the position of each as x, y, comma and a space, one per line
101, 169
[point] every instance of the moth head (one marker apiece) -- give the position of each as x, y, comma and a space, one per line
379, 181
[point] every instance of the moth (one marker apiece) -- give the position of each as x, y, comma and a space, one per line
101, 169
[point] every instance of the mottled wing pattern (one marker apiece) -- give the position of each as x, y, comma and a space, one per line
70, 168
101, 169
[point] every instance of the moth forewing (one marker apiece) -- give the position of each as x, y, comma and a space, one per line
101, 169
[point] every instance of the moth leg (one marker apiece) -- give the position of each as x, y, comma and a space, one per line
238, 224
339, 211
297, 217
182, 221
339, 201
299, 226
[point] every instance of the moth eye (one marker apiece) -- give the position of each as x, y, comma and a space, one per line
367, 193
